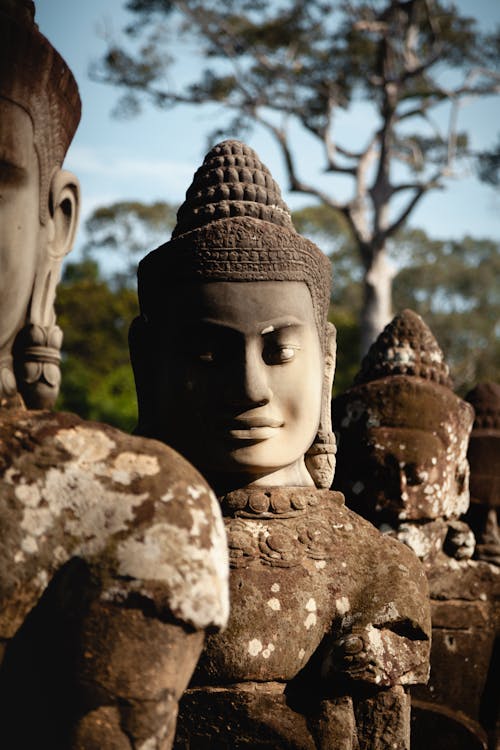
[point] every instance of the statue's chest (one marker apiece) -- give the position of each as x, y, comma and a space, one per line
288, 587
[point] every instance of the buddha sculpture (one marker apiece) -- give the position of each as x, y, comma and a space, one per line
484, 459
39, 113
402, 446
234, 360
113, 560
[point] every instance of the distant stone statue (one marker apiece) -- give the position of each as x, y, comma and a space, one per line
484, 459
401, 462
113, 558
234, 360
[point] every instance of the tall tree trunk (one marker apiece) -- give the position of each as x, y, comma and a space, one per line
376, 312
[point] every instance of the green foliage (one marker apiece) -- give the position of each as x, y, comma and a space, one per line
454, 286
97, 380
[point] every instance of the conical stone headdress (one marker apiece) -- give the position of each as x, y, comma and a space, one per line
406, 346
234, 226
403, 381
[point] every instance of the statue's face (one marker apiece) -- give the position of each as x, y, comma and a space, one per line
414, 474
239, 384
21, 234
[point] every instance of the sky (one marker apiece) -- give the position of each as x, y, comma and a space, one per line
153, 156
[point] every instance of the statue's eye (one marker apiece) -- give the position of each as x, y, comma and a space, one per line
279, 355
413, 475
286, 353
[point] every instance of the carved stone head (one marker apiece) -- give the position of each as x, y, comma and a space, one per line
232, 353
484, 459
402, 432
39, 113
484, 444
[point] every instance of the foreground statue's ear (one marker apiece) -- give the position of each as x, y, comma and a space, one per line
320, 458
62, 222
64, 213
37, 346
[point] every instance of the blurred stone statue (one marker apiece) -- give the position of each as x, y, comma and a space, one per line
484, 459
113, 559
402, 463
234, 360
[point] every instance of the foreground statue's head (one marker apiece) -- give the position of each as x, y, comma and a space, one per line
402, 432
232, 353
39, 113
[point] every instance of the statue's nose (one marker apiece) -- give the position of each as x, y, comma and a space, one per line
254, 387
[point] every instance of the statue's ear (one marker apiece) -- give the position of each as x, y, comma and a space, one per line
64, 209
64, 212
139, 341
320, 458
37, 347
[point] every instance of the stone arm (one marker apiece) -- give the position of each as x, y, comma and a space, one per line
384, 639
116, 544
380, 646
378, 656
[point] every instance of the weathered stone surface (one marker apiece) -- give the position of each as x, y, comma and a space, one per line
402, 437
132, 508
329, 619
114, 563
310, 608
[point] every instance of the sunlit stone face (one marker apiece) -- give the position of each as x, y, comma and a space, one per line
412, 474
21, 234
239, 383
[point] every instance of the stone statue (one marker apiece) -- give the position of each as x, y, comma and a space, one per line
484, 459
39, 113
402, 444
113, 559
234, 360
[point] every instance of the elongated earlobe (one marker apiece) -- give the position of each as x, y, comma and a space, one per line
37, 347
320, 458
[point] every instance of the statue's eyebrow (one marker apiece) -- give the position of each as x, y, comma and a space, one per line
263, 328
277, 324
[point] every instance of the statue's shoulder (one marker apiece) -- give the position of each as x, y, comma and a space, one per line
125, 504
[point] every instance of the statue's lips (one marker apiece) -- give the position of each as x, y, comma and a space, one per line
251, 428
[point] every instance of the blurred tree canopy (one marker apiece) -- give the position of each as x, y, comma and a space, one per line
452, 284
293, 66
